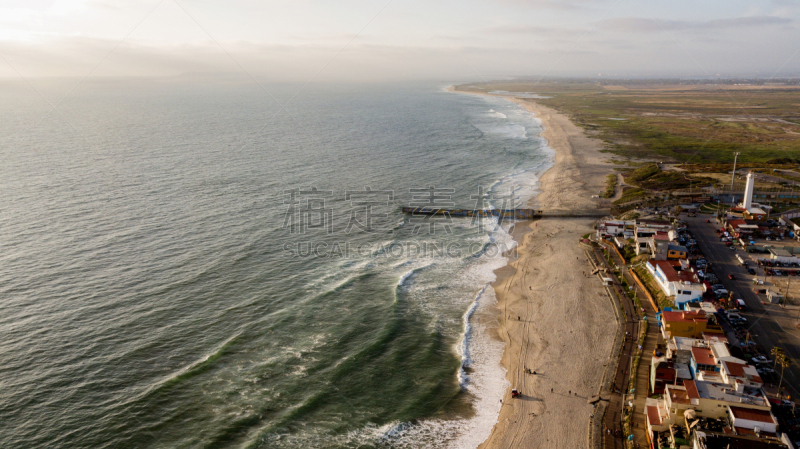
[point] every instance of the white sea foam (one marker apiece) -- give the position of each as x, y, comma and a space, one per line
495, 114
481, 374
506, 130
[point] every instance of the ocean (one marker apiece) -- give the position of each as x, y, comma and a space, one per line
200, 262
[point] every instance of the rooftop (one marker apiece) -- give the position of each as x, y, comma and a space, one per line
715, 336
687, 276
741, 370
679, 394
653, 415
752, 414
684, 317
691, 389
724, 392
667, 268
780, 252
719, 441
685, 343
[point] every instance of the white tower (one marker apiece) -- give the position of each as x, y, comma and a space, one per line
747, 201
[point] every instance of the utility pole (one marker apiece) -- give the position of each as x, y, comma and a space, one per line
786, 297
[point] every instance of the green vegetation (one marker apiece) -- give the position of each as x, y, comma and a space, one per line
611, 187
651, 177
628, 253
653, 288
679, 120
633, 194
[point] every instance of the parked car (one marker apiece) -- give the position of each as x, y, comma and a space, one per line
759, 359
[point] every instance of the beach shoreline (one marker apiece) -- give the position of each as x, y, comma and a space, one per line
553, 318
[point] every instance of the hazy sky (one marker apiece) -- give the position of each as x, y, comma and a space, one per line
431, 39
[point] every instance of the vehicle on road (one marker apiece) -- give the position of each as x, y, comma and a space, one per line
731, 277
751, 270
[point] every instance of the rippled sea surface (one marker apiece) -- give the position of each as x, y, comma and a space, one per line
161, 287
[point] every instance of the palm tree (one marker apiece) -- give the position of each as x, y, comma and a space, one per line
778, 353
784, 361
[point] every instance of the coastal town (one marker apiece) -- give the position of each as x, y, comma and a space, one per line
710, 324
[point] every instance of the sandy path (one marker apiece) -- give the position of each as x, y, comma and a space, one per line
555, 320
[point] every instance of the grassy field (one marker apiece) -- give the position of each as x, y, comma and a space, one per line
653, 178
686, 123
611, 187
633, 194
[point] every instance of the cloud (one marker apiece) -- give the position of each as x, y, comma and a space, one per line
549, 4
644, 25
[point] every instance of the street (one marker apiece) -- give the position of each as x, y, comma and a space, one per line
769, 325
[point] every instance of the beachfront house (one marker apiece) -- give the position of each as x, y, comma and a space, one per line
724, 401
607, 229
676, 251
646, 232
687, 324
683, 285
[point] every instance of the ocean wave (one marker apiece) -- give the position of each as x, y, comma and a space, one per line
198, 367
495, 114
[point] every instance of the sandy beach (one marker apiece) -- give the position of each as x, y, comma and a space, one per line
554, 318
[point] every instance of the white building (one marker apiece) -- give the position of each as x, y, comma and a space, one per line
747, 201
615, 228
683, 285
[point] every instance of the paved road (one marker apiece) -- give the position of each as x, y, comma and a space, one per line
613, 416
770, 325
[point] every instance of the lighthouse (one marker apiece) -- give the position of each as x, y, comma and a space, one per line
747, 201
